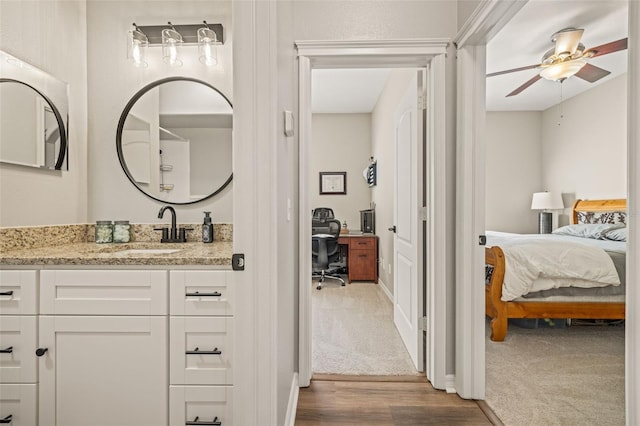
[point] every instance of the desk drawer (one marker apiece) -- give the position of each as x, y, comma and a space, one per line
363, 243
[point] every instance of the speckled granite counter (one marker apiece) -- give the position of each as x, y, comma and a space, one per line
217, 253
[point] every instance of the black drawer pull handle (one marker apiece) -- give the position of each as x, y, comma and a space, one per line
41, 351
7, 419
6, 293
6, 351
197, 293
195, 422
197, 351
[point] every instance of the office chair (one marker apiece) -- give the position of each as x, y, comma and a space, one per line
325, 252
323, 213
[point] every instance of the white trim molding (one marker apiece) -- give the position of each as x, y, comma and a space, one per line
632, 330
292, 406
416, 53
385, 290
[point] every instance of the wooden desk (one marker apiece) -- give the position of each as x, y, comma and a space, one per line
362, 256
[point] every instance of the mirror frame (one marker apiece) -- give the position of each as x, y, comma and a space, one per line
123, 118
62, 153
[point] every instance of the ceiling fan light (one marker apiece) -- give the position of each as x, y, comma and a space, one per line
562, 70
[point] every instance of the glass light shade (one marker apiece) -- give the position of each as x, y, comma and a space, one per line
171, 41
207, 48
547, 201
562, 70
136, 46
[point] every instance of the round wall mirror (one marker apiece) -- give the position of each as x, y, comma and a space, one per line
174, 140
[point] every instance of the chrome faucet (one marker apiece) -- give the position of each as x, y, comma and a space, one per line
172, 235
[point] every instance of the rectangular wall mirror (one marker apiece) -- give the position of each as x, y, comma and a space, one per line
34, 109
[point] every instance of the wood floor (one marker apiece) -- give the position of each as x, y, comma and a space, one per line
358, 400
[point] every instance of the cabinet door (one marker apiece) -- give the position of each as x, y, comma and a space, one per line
201, 293
18, 404
17, 349
18, 293
209, 404
103, 371
106, 292
212, 362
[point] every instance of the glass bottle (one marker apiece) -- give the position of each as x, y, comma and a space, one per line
104, 231
121, 231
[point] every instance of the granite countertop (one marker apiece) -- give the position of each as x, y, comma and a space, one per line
195, 253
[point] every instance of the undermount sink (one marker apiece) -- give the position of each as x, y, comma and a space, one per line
148, 251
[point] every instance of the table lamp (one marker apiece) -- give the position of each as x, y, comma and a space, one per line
544, 201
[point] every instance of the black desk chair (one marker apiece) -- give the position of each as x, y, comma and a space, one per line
323, 213
325, 253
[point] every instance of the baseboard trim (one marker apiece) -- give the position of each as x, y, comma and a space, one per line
290, 418
385, 289
450, 383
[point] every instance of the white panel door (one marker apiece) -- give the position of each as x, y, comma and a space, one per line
407, 295
103, 371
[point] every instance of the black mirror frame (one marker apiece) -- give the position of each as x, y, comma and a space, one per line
62, 154
123, 118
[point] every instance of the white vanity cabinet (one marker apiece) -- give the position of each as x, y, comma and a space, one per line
105, 335
201, 347
18, 339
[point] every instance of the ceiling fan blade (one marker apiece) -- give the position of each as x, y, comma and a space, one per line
525, 85
567, 41
528, 67
591, 73
606, 48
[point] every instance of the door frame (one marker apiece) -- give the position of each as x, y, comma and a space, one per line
488, 18
429, 53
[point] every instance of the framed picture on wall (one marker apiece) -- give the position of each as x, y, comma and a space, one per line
333, 183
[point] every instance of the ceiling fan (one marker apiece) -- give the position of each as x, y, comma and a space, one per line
568, 58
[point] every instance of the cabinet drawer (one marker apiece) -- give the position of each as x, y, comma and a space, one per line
18, 293
363, 243
201, 293
362, 265
209, 336
186, 403
19, 402
103, 292
18, 344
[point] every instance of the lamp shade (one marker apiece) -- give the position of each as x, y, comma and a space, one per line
546, 201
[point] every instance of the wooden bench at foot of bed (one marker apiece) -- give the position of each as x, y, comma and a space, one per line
500, 311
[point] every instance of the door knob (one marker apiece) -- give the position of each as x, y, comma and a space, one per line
41, 351
393, 229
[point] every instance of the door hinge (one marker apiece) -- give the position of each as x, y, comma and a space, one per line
423, 323
422, 213
422, 102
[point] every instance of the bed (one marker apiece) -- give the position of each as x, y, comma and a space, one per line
602, 302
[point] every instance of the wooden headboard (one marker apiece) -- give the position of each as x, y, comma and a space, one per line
618, 205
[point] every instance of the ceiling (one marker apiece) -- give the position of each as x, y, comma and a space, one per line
521, 42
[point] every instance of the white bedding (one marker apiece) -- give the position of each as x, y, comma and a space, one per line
545, 261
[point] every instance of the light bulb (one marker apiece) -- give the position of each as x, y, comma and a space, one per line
136, 48
171, 39
207, 49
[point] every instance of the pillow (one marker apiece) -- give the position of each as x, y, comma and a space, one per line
597, 231
602, 217
619, 234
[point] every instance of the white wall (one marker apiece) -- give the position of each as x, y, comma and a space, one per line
50, 35
113, 80
341, 143
514, 170
383, 137
584, 153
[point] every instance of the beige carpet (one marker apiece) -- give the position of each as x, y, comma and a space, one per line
564, 376
353, 332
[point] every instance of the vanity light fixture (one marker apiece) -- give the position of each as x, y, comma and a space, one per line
172, 37
137, 43
171, 41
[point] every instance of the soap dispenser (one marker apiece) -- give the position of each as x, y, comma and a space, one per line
207, 229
